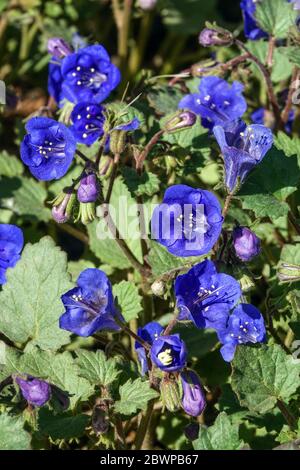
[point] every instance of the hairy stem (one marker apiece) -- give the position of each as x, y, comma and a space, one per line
132, 334
143, 155
270, 53
289, 102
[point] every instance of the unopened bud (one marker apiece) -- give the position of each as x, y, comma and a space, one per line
180, 121
288, 272
215, 37
105, 165
117, 141
100, 419
158, 288
88, 190
59, 48
63, 206
193, 400
170, 393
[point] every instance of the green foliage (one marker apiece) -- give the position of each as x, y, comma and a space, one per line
275, 17
61, 426
12, 433
128, 299
221, 436
134, 396
96, 368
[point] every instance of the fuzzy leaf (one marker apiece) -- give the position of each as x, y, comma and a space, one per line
129, 299
222, 435
61, 426
275, 17
12, 433
134, 396
96, 367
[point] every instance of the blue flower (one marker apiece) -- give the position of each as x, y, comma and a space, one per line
89, 306
251, 28
188, 222
193, 399
48, 148
168, 353
88, 75
55, 80
205, 296
36, 392
245, 325
58, 48
148, 333
258, 117
88, 120
216, 102
246, 244
132, 125
243, 147
11, 245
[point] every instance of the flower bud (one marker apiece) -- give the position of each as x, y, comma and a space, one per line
117, 141
193, 400
246, 244
158, 288
191, 431
36, 392
59, 48
105, 166
215, 37
147, 4
170, 394
87, 213
88, 190
288, 272
63, 205
100, 419
180, 121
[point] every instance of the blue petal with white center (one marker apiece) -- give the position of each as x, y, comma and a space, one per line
88, 120
48, 148
245, 326
89, 306
205, 296
169, 353
89, 75
217, 101
243, 147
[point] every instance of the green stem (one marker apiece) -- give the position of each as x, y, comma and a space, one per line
132, 334
143, 427
290, 419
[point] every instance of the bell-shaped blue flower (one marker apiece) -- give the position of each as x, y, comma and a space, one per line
11, 245
168, 353
55, 79
88, 120
48, 148
246, 244
148, 333
188, 222
193, 399
251, 28
205, 296
243, 147
89, 306
245, 326
36, 392
88, 75
217, 101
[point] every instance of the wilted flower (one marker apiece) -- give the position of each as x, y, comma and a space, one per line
88, 75
89, 306
193, 399
246, 244
168, 353
63, 206
243, 147
216, 102
245, 325
58, 48
11, 245
48, 148
36, 392
188, 222
88, 190
88, 120
148, 333
205, 296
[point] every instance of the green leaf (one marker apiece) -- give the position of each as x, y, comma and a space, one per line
164, 99
263, 375
30, 201
221, 436
125, 217
96, 367
12, 433
134, 396
146, 184
269, 185
30, 300
290, 146
164, 264
293, 54
61, 426
10, 165
129, 299
291, 254
275, 17
282, 67
192, 138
